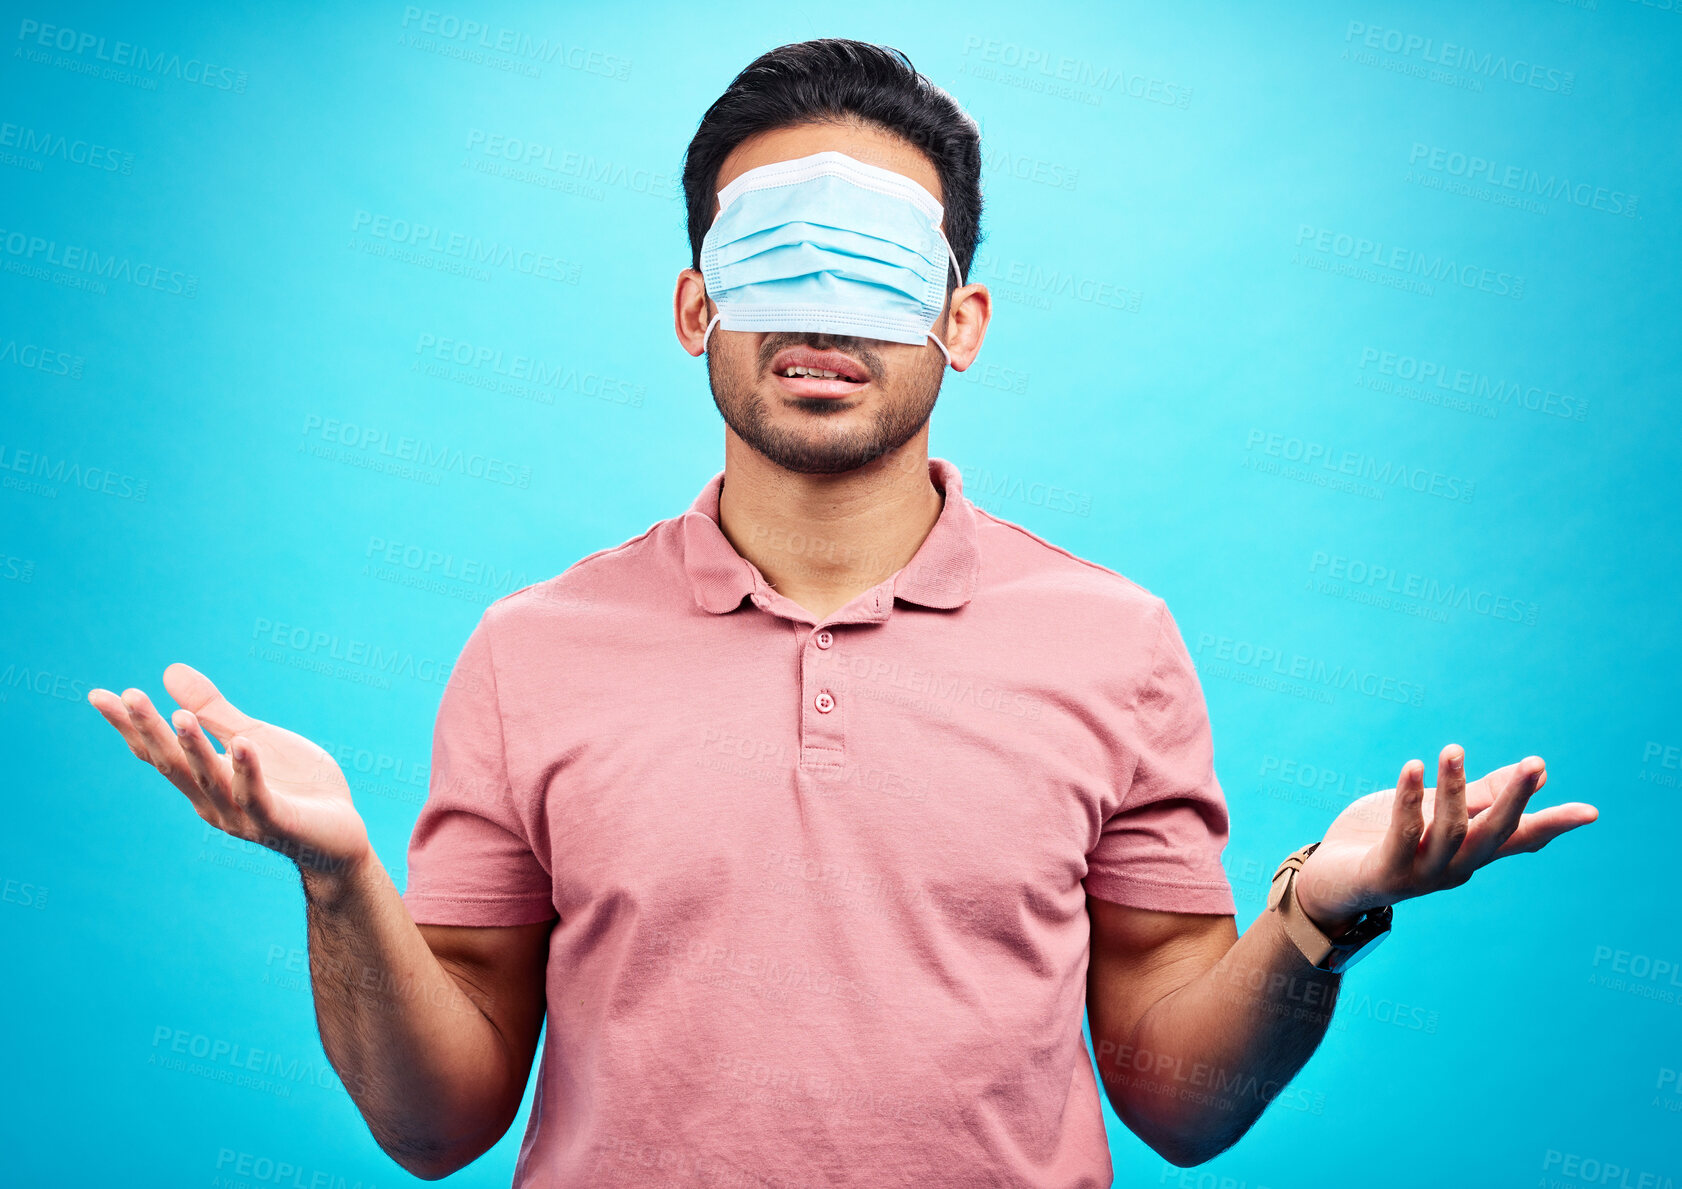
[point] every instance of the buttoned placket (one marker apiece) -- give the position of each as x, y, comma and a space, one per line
824, 699
941, 575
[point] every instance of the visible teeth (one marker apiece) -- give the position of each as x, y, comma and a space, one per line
812, 371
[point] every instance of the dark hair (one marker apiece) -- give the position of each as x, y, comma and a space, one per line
830, 80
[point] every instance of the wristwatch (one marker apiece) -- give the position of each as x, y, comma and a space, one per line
1335, 954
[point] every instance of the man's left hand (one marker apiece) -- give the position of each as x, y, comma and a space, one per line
1381, 849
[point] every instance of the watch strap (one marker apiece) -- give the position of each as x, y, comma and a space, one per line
1333, 954
1282, 898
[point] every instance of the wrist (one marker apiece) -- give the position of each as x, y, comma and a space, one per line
1330, 925
1333, 915
1330, 939
330, 882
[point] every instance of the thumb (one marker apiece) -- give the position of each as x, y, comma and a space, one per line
197, 693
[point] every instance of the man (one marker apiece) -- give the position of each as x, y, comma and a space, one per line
811, 818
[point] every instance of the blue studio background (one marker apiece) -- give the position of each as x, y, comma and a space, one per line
1351, 334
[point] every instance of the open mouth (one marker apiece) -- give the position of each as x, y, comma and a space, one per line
802, 371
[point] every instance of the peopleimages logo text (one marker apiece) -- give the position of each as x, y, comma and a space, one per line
137, 57
1450, 55
1410, 585
1409, 261
1361, 466
1523, 180
515, 43
80, 258
1312, 671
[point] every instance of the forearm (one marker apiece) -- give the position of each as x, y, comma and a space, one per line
1203, 1062
428, 1070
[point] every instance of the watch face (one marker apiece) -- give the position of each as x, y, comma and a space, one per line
1342, 959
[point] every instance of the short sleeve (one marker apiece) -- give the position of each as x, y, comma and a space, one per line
1161, 848
470, 857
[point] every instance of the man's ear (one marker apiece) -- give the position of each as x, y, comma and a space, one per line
692, 309
968, 313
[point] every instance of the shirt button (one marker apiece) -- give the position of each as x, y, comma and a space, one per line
825, 639
824, 702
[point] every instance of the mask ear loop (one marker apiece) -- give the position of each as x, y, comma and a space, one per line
710, 326
952, 259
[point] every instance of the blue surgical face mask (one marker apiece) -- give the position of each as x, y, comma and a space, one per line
828, 243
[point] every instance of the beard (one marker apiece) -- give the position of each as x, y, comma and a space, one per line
815, 448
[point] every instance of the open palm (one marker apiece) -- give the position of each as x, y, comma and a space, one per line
272, 786
1381, 849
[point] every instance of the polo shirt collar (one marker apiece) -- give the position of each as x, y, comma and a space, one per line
942, 573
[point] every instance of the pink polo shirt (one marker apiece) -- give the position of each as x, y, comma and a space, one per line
819, 889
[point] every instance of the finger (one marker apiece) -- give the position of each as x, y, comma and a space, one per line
113, 711
1448, 818
1489, 830
211, 772
1400, 848
197, 693
250, 792
1482, 792
1536, 830
164, 753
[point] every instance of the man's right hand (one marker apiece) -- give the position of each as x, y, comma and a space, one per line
272, 787
431, 1028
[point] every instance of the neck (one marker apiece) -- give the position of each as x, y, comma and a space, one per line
823, 540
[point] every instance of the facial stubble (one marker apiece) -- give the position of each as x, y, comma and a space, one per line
812, 447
